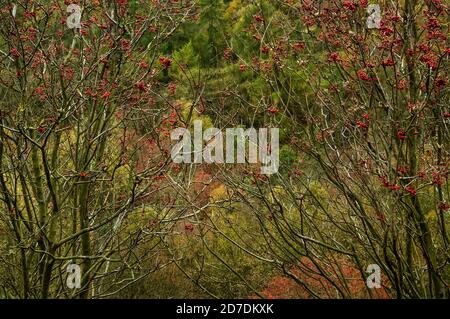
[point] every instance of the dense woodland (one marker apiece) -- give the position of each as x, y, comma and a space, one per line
86, 175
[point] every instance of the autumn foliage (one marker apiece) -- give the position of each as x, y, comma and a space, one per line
87, 177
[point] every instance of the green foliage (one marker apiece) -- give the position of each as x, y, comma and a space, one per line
186, 56
209, 40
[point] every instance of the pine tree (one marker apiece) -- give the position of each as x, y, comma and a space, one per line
210, 42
